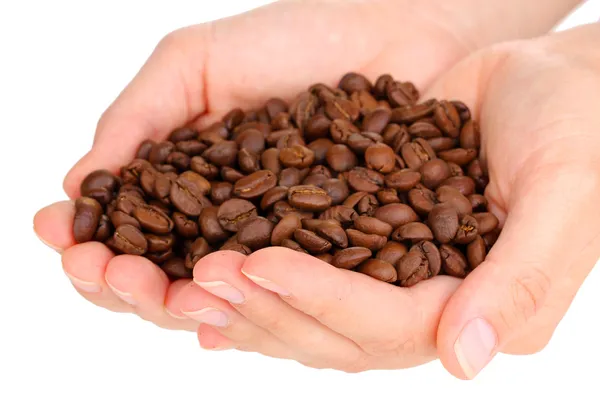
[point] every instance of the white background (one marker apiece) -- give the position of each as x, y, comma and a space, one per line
61, 64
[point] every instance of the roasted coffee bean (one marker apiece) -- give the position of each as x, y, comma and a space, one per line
462, 109
269, 159
290, 244
248, 161
88, 212
454, 262
443, 221
179, 160
380, 87
283, 208
350, 257
403, 180
100, 185
452, 196
252, 140
159, 243
162, 187
148, 179
160, 205
255, 185
353, 200
447, 118
272, 196
320, 147
222, 154
175, 269
370, 241
220, 192
470, 136
274, 137
231, 175
240, 248
434, 172
310, 198
416, 153
285, 229
396, 214
281, 121
455, 169
130, 174
475, 172
191, 147
128, 201
209, 225
311, 242
413, 231
198, 249
264, 127
490, 238
467, 230
290, 140
464, 184
333, 232
144, 149
376, 120
303, 108
153, 219
425, 130
235, 211
160, 152
165, 168
118, 218
354, 82
412, 268
181, 134
367, 205
104, 230
458, 156
476, 252
160, 257
187, 193
380, 157
364, 101
388, 196
441, 143
340, 158
372, 225
337, 190
341, 129
274, 106
255, 233
344, 214
296, 156
365, 180
325, 257
486, 222
233, 118
379, 269
289, 177
478, 202
202, 167
341, 108
130, 240
400, 94
392, 252
185, 227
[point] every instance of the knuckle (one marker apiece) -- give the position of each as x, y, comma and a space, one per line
527, 293
172, 40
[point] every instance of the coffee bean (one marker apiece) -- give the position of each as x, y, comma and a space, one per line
162, 187
311, 242
130, 240
425, 130
353, 82
255, 233
467, 230
281, 121
175, 269
403, 180
309, 198
296, 156
159, 243
400, 94
191, 147
416, 153
290, 244
160, 152
248, 161
285, 229
478, 202
350, 257
458, 156
187, 193
235, 211
464, 184
88, 212
233, 118
470, 136
341, 129
365, 180
181, 134
337, 190
370, 241
144, 149
274, 106
441, 143
303, 108
341, 108
344, 214
475, 172
100, 185
340, 158
128, 201
118, 218
380, 157
454, 262
443, 220
198, 249
104, 230
447, 118
392, 252
396, 214
452, 196
381, 83
283, 208
179, 160
367, 205
320, 147
333, 232
220, 192
411, 114
412, 268
376, 120
364, 101
221, 154
272, 196
325, 257
486, 222
434, 172
209, 225
153, 219
372, 225
413, 231
388, 196
202, 167
231, 175
270, 160
476, 252
379, 269
185, 227
255, 185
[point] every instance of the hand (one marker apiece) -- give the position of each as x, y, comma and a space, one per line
198, 73
536, 103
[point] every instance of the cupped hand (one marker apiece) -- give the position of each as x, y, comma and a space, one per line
537, 106
198, 73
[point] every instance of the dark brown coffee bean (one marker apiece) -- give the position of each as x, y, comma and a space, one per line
153, 219
275, 137
240, 248
161, 257
272, 196
209, 225
100, 185
311, 242
283, 208
255, 185
187, 193
325, 257
354, 198
380, 157
231, 175
130, 174
220, 192
478, 202
128, 201
365, 180
354, 82
464, 184
491, 238
185, 227
198, 249
179, 160
264, 127
400, 94
372, 225
340, 158
475, 172
403, 180
455, 170
235, 211
270, 160
425, 130
391, 131
361, 142
181, 134
159, 243
88, 212
165, 168
317, 127
337, 190
416, 153
443, 220
296, 156
441, 143
274, 106
434, 172
233, 118
285, 229
341, 108
412, 268
476, 252
213, 135
332, 231
364, 101
452, 196
148, 179
410, 114
344, 214
392, 252
290, 140
255, 233
376, 120
130, 240
144, 149
370, 241
289, 177
396, 214
379, 269
290, 244
309, 198
222, 154
191, 147
462, 109
458, 156
202, 167
160, 151
350, 257
470, 136
313, 224
104, 230
175, 269
401, 140
303, 108
118, 218
281, 121
486, 222
413, 231
341, 129
388, 196
162, 188
381, 83
248, 161
447, 118
454, 262
367, 205
467, 230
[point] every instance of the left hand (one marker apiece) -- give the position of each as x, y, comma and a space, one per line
536, 102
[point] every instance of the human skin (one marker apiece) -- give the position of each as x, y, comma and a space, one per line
197, 74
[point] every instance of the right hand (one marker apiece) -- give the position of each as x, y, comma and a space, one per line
198, 73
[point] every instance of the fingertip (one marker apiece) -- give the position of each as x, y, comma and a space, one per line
211, 339
176, 295
53, 225
87, 262
213, 264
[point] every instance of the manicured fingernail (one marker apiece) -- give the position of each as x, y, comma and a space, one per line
171, 314
210, 316
53, 247
266, 284
475, 346
84, 286
126, 297
223, 290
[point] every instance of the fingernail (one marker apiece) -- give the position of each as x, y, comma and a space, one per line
53, 247
171, 314
126, 297
223, 290
266, 284
210, 316
84, 286
475, 346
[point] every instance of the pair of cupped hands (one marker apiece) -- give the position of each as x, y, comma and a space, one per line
536, 96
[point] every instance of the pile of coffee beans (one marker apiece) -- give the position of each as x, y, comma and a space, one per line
362, 176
